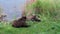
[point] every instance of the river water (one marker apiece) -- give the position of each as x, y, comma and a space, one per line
12, 8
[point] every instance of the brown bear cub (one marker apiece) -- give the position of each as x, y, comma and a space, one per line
20, 23
2, 17
34, 18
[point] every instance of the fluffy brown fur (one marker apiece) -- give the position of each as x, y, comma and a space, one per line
20, 23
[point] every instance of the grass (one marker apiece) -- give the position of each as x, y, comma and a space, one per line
50, 20
46, 26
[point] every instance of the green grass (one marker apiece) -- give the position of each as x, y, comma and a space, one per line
46, 26
50, 20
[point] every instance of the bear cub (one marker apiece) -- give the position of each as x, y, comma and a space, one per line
21, 22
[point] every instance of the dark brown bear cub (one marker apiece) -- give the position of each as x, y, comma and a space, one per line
20, 23
34, 18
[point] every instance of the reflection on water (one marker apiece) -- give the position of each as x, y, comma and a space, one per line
12, 8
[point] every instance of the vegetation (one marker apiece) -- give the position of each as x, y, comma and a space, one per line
49, 14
